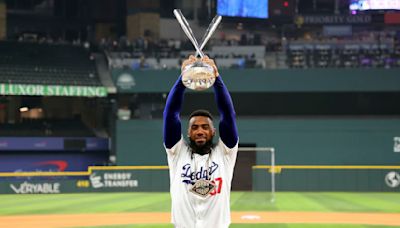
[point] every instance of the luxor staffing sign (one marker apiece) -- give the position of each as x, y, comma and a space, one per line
52, 90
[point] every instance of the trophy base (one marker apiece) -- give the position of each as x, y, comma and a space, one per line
198, 77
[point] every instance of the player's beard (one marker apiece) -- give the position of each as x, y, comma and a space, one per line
203, 149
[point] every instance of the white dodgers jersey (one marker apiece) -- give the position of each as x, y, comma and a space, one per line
191, 210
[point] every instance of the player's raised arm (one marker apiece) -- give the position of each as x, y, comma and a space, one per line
227, 126
172, 123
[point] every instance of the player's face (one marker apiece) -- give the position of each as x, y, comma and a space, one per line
201, 130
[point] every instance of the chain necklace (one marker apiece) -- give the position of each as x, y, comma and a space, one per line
202, 187
193, 157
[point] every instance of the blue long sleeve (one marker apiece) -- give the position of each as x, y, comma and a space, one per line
172, 123
227, 126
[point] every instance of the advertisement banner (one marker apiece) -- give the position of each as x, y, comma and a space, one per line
121, 180
50, 161
97, 179
50, 143
113, 179
41, 187
52, 90
36, 187
333, 19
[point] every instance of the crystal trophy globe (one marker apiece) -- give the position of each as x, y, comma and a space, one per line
198, 76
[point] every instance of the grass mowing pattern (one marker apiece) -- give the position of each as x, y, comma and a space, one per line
240, 201
316, 201
160, 202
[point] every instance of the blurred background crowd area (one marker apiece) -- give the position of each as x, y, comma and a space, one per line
365, 49
145, 35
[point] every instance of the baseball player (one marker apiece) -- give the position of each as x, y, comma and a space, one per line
200, 170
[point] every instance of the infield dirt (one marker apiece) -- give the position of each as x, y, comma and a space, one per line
104, 219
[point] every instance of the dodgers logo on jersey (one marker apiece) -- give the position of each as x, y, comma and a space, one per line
190, 177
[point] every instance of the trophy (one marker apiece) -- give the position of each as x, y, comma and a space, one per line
199, 75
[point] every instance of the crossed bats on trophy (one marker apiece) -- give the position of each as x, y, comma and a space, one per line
189, 33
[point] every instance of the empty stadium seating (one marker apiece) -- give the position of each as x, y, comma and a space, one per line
46, 127
33, 63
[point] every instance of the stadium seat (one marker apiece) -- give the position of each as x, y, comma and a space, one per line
34, 63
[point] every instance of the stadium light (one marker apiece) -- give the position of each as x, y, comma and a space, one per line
23, 109
286, 4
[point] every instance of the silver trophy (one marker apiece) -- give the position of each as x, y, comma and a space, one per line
199, 75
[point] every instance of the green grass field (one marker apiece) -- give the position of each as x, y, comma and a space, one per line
240, 201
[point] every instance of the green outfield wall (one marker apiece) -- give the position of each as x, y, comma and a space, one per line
259, 80
156, 178
326, 154
336, 141
328, 178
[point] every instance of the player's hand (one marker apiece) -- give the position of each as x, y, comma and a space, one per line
210, 62
188, 61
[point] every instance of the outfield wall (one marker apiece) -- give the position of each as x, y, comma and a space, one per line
324, 141
328, 178
95, 179
156, 178
356, 148
310, 154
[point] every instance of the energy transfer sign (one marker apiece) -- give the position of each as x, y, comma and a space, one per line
113, 180
52, 90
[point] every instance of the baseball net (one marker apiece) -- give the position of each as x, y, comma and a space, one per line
266, 155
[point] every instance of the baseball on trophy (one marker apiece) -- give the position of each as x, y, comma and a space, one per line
198, 75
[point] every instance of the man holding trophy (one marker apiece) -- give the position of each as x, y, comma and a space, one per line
200, 170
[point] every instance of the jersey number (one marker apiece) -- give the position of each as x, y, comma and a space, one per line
217, 189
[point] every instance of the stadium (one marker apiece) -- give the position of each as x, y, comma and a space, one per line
84, 84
